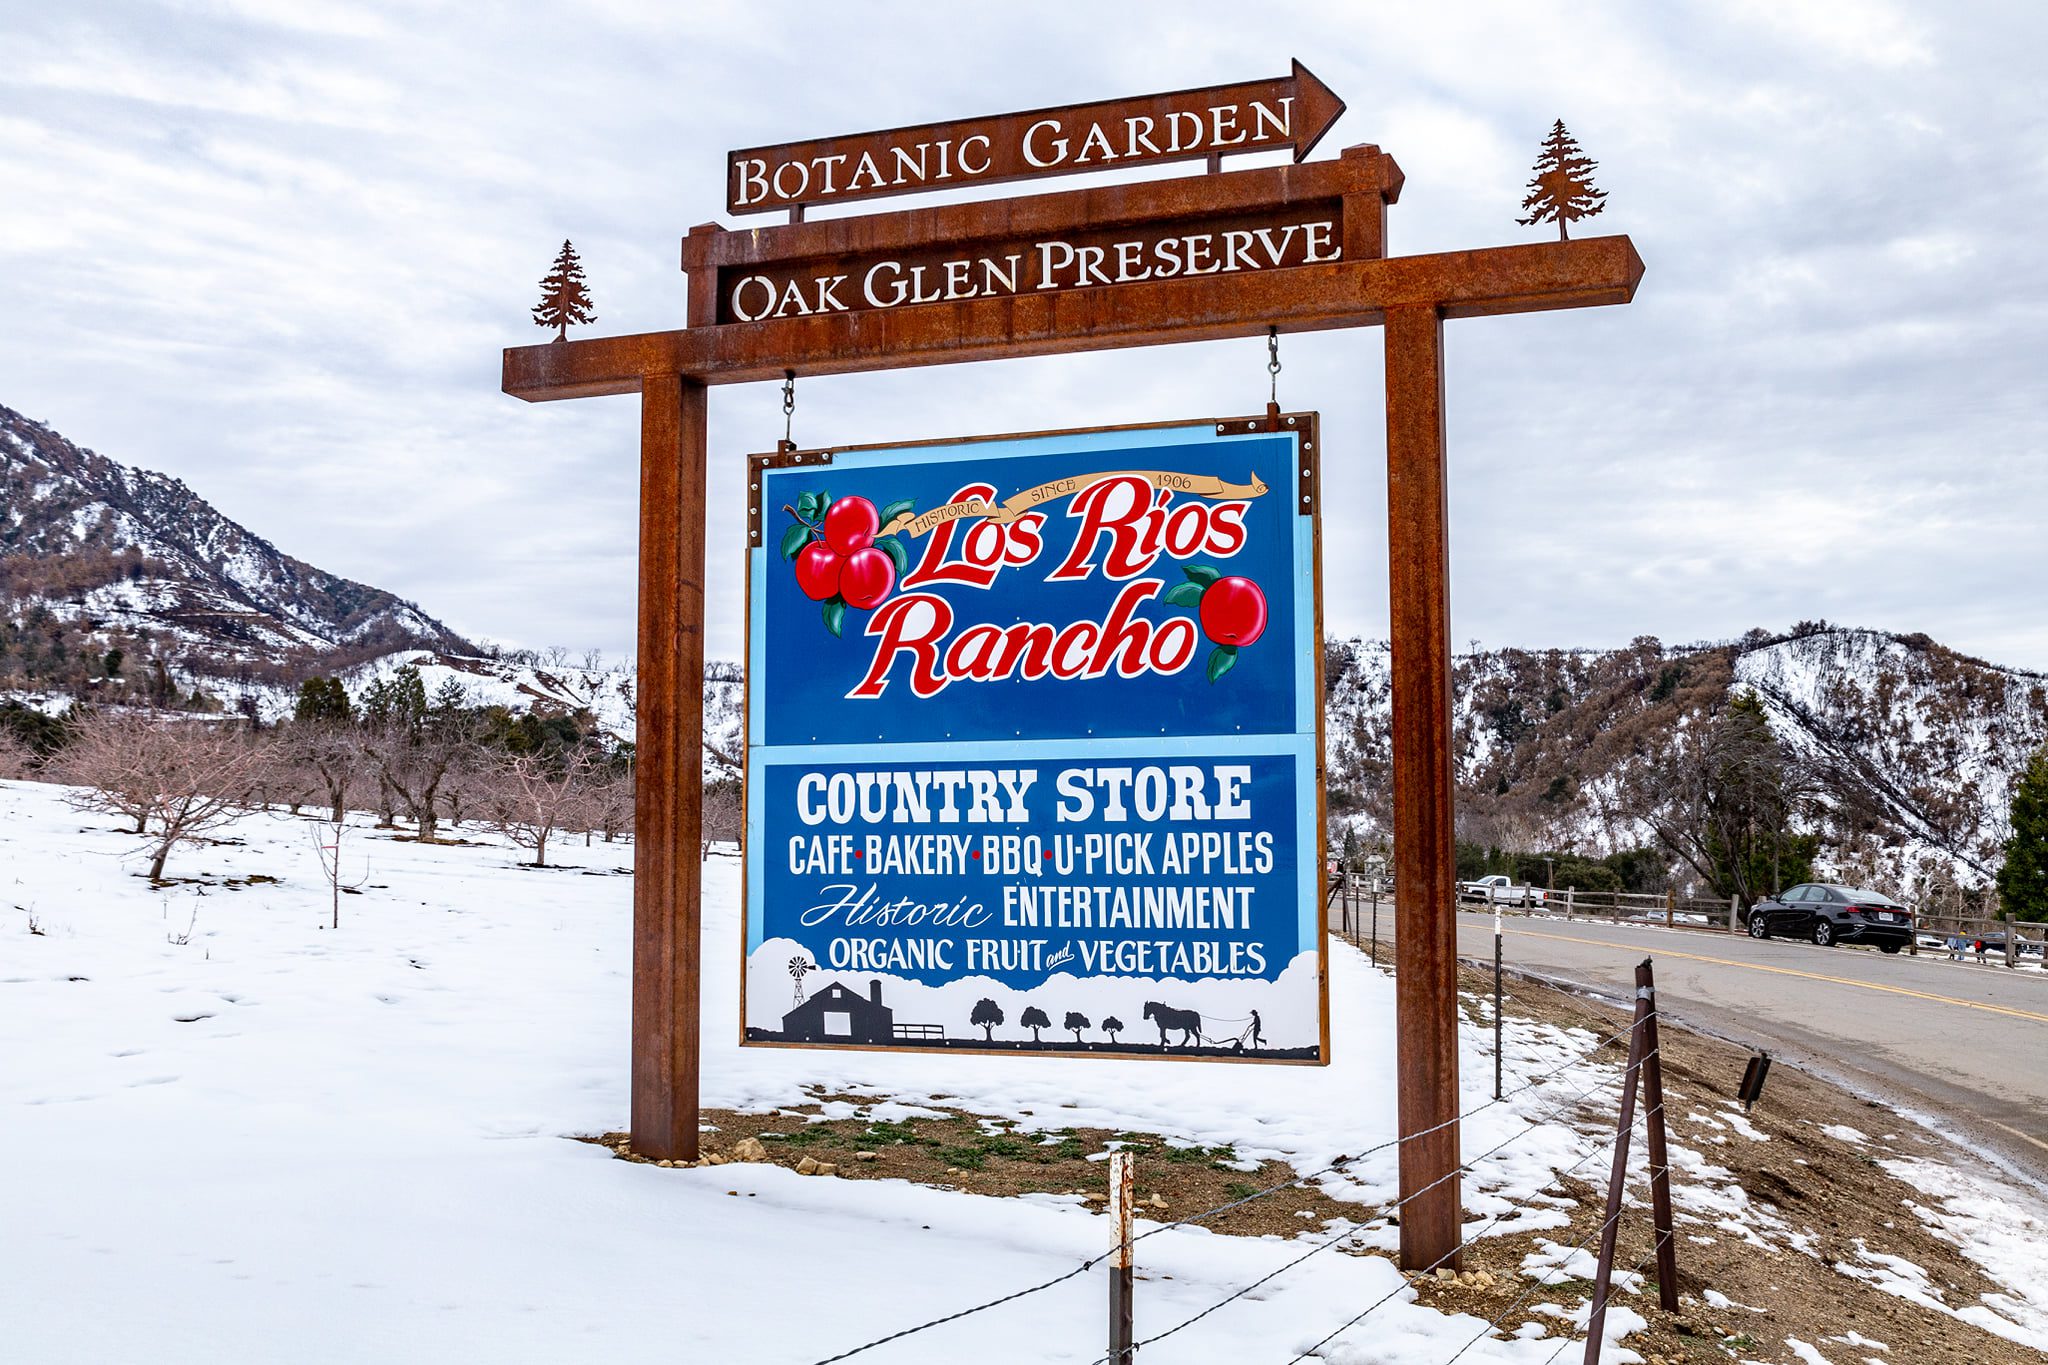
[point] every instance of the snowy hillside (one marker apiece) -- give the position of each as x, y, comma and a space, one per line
126, 553
1915, 746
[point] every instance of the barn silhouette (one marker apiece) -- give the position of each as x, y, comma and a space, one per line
839, 1015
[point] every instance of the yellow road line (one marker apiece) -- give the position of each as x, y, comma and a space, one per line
1789, 971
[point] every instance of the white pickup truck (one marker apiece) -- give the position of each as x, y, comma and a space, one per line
1500, 890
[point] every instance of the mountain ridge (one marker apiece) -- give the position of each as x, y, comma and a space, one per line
123, 553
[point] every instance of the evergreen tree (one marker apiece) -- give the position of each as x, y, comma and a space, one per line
1562, 190
2023, 878
321, 700
563, 298
400, 700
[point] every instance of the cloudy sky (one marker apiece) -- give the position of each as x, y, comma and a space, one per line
275, 248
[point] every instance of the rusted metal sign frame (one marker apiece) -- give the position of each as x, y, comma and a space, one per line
1411, 296
1306, 501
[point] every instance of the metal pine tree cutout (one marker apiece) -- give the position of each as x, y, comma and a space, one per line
564, 299
1561, 191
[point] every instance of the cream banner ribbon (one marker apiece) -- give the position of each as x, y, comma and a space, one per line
1017, 504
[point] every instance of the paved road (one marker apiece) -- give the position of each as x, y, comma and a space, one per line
1965, 1044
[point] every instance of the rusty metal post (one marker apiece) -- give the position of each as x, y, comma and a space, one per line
1425, 911
1121, 1179
668, 768
1653, 1128
1496, 1003
1617, 1176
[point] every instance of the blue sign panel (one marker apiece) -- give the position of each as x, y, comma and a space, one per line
1032, 736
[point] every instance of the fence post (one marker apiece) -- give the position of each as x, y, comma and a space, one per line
2012, 937
1734, 914
1670, 904
1120, 1192
1569, 893
1616, 1178
1496, 1001
1653, 1128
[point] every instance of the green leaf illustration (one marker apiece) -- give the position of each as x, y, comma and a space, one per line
1201, 573
835, 612
794, 540
824, 501
1221, 660
893, 548
1184, 595
897, 509
807, 506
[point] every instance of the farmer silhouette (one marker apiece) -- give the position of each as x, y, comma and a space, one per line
1258, 1035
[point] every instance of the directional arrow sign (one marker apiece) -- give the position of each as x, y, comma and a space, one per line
1292, 111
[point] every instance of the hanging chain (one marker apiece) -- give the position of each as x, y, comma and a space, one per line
1273, 364
788, 405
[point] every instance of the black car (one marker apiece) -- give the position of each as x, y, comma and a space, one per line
1829, 914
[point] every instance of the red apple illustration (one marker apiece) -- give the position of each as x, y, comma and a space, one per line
867, 577
841, 558
850, 526
818, 571
1233, 611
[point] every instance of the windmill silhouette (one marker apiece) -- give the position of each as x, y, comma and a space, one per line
799, 967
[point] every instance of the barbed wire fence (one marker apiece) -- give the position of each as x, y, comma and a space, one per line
1642, 1073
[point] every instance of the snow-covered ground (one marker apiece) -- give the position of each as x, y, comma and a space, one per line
229, 1133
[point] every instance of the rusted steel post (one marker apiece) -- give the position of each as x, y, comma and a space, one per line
1496, 1003
668, 768
1121, 1198
1610, 1225
1425, 910
1653, 1128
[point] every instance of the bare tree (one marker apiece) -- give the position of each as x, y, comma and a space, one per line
533, 796
329, 838
413, 761
466, 785
612, 802
1723, 797
189, 777
724, 818
17, 760
115, 757
327, 761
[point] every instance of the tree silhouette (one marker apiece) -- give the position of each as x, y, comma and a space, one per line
1034, 1019
563, 297
1112, 1026
1562, 190
1075, 1022
987, 1014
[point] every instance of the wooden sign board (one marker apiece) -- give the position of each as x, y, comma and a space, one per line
1291, 111
1034, 746
1240, 223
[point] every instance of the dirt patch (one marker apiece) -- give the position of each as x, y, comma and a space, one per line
994, 1156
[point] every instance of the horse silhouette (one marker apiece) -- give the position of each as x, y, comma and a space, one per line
1187, 1023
